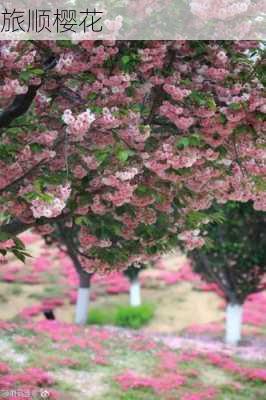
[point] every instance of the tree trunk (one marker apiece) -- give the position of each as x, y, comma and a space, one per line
83, 299
135, 297
233, 323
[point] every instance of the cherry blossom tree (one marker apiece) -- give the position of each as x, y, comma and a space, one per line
235, 260
128, 140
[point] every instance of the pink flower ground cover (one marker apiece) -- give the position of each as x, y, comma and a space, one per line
159, 384
127, 362
16, 385
254, 310
204, 395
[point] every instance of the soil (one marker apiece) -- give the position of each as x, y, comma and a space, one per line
177, 306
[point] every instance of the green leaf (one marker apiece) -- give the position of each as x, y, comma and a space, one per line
67, 44
260, 183
195, 140
4, 236
93, 96
87, 77
223, 118
81, 220
129, 61
102, 154
37, 71
24, 76
123, 154
30, 196
19, 244
143, 191
182, 143
125, 60
36, 147
202, 99
8, 150
235, 106
46, 197
30, 73
20, 255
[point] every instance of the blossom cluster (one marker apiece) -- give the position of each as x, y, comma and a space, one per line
55, 205
80, 125
222, 10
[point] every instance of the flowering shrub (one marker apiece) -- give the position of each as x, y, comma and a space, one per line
128, 141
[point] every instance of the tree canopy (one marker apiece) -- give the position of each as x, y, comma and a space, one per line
129, 141
236, 254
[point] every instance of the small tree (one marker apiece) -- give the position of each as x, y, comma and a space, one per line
132, 273
235, 260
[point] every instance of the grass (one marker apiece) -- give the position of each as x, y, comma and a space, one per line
134, 317
100, 316
249, 392
140, 394
3, 298
16, 289
125, 316
48, 292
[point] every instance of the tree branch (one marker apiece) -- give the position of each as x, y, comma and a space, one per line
209, 272
20, 106
22, 102
16, 226
157, 92
34, 168
67, 240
